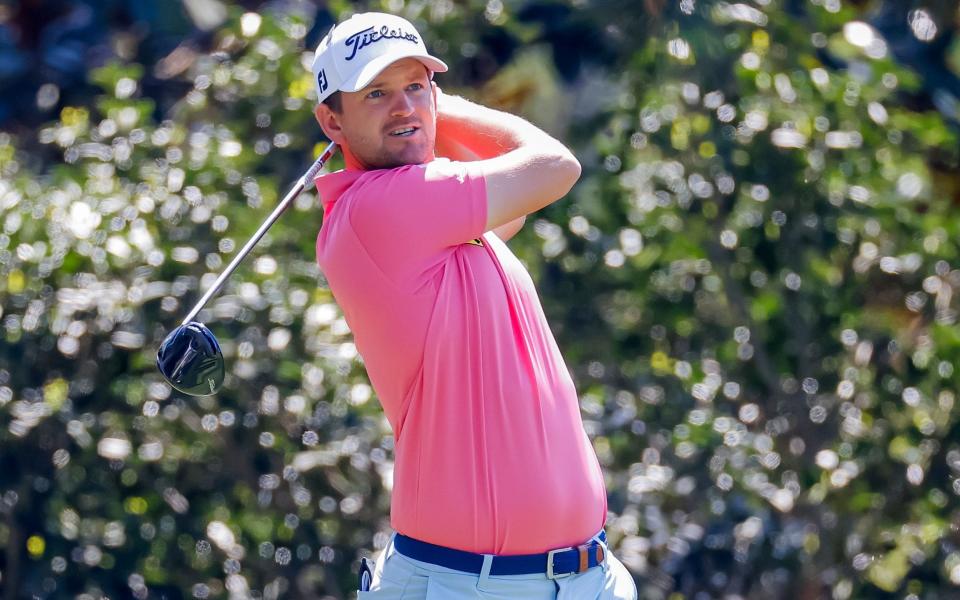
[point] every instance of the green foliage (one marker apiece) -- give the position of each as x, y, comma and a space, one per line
752, 284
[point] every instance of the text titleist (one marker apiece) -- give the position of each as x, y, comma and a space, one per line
362, 39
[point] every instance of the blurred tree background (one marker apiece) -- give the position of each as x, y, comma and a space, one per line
752, 283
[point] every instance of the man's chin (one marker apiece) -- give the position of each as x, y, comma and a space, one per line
392, 162
390, 154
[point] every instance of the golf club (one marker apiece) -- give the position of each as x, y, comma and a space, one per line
189, 357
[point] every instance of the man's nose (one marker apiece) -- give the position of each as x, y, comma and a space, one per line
402, 105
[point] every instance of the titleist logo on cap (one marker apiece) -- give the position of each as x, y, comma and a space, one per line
362, 39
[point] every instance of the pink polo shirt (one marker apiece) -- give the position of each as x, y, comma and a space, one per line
491, 454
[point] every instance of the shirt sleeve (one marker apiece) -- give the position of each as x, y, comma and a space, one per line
406, 214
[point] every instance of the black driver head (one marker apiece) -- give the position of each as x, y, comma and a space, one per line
190, 359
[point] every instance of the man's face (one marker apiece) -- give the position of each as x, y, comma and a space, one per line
391, 122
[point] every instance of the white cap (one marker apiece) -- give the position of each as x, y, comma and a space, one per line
354, 52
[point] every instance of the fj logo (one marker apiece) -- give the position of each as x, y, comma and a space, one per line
322, 81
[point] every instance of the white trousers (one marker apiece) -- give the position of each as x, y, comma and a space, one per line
399, 577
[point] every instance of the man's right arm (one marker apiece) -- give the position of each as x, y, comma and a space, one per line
524, 168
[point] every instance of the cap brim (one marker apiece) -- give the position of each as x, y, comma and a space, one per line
373, 68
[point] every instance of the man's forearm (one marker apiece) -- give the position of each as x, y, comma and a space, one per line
470, 131
524, 167
464, 134
505, 232
458, 140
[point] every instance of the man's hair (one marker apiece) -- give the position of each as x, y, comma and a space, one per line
335, 102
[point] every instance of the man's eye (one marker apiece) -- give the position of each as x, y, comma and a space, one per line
416, 86
375, 94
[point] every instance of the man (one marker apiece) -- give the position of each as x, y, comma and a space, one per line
497, 490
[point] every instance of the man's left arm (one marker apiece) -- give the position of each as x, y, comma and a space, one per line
455, 150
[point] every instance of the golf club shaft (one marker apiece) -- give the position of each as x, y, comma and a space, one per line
291, 195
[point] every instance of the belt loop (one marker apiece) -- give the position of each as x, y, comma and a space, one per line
378, 564
389, 549
602, 544
485, 572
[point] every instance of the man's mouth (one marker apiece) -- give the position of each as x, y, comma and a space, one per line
404, 131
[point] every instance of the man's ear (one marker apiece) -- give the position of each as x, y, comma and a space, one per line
330, 123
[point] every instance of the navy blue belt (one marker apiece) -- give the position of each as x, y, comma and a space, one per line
554, 564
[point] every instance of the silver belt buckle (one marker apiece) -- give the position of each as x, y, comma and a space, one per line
550, 573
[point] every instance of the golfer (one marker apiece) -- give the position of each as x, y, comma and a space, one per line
497, 490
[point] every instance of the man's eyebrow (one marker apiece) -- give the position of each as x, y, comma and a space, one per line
378, 82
